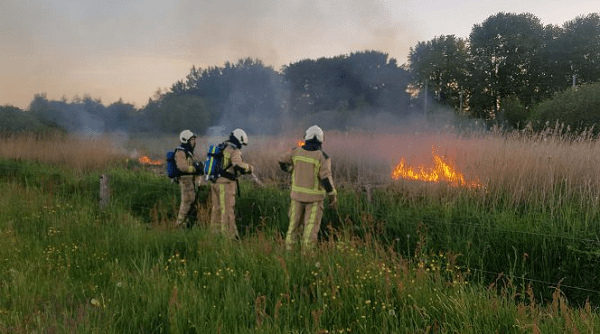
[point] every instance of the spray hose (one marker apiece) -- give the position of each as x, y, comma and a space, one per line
256, 180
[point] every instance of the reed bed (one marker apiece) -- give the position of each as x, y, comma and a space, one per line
527, 167
79, 152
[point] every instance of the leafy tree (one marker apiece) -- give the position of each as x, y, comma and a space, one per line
45, 111
504, 51
384, 83
86, 114
13, 119
120, 115
362, 80
572, 51
174, 113
553, 69
580, 46
245, 92
441, 66
317, 85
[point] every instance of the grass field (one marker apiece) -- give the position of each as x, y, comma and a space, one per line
519, 255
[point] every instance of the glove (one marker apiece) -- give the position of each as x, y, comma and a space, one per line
285, 167
250, 170
199, 168
332, 201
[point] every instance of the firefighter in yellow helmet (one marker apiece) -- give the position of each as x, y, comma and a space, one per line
189, 170
224, 188
311, 182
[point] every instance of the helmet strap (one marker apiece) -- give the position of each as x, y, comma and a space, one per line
188, 147
235, 141
312, 145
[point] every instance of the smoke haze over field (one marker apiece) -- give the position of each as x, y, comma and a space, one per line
129, 49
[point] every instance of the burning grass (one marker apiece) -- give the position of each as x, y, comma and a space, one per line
441, 171
523, 166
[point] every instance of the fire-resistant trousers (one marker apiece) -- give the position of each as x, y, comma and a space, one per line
305, 220
187, 208
222, 216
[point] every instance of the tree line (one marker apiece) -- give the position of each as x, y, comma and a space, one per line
509, 64
505, 71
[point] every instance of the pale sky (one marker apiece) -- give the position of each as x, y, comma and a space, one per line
111, 49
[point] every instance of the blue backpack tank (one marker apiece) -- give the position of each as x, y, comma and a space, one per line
213, 165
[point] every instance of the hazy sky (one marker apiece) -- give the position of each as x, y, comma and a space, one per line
111, 49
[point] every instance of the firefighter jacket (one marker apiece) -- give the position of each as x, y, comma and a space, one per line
311, 173
233, 164
184, 159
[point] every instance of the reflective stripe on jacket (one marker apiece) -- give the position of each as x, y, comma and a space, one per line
308, 169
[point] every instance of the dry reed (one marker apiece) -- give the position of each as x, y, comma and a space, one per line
80, 153
520, 163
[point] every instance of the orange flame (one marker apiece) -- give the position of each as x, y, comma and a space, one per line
300, 143
442, 171
144, 160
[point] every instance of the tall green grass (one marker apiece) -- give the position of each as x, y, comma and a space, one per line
402, 263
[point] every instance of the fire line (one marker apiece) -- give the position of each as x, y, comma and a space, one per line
441, 171
144, 160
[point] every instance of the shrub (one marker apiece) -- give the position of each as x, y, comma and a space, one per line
575, 107
513, 112
16, 120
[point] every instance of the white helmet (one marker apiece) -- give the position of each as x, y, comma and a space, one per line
314, 132
185, 136
241, 136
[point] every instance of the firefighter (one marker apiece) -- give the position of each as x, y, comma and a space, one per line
189, 169
311, 182
223, 190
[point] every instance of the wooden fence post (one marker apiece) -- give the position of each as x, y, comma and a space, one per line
368, 190
104, 191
